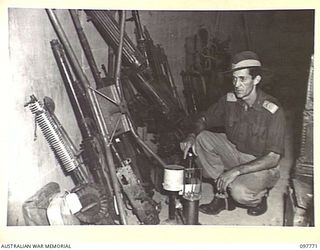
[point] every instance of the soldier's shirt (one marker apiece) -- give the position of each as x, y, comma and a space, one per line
255, 130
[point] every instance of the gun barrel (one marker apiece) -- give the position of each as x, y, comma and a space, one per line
86, 48
95, 107
54, 136
109, 29
65, 71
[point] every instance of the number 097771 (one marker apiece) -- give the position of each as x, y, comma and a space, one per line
308, 245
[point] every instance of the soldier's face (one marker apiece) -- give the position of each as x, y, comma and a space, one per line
243, 83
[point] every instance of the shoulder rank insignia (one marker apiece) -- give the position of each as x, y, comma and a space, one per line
231, 97
270, 106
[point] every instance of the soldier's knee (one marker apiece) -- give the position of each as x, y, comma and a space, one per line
205, 140
203, 136
201, 141
241, 194
238, 193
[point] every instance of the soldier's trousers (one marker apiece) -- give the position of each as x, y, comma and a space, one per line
217, 154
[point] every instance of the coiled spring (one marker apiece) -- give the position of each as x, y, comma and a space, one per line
53, 135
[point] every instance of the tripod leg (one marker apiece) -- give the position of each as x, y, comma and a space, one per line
145, 146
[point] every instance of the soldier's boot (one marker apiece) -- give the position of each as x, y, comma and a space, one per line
218, 204
260, 209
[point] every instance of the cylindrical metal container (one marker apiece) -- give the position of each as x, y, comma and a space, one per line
173, 178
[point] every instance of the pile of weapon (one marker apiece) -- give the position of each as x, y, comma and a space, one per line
202, 79
112, 169
149, 87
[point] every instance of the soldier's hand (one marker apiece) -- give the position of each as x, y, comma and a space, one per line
226, 178
188, 143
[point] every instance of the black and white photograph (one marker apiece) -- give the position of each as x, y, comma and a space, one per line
161, 117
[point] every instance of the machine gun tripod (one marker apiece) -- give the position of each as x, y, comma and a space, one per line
122, 177
129, 181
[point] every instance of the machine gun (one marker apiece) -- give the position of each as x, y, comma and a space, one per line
146, 68
90, 102
92, 147
91, 196
137, 71
124, 148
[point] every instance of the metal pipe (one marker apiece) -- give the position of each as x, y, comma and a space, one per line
112, 168
119, 54
94, 105
145, 146
111, 54
105, 96
66, 44
140, 82
86, 48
